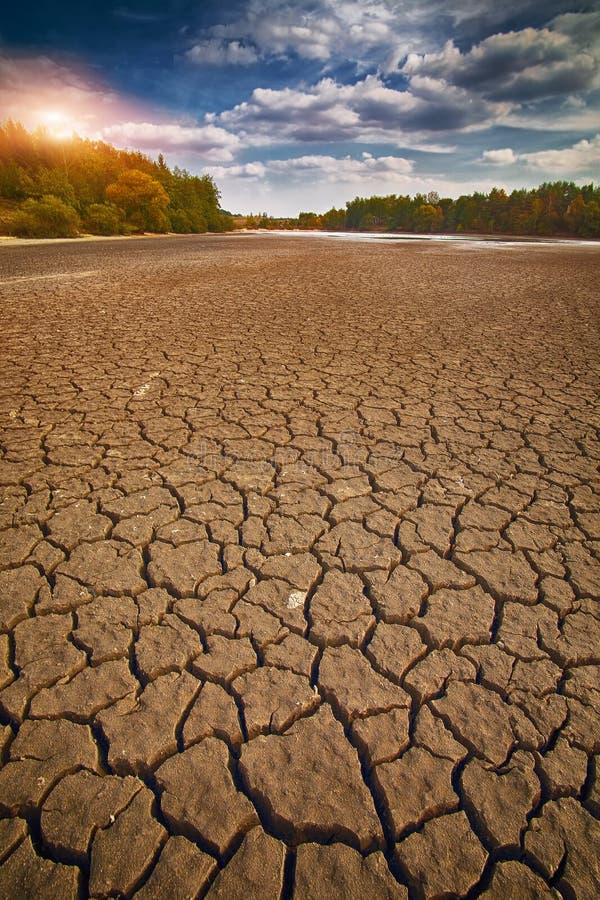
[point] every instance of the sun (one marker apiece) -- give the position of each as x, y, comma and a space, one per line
57, 123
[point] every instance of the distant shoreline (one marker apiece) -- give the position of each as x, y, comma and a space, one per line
361, 236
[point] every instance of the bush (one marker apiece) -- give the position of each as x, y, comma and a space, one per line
180, 222
219, 222
135, 224
103, 218
158, 222
48, 217
198, 224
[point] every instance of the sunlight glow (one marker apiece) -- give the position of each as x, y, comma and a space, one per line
57, 123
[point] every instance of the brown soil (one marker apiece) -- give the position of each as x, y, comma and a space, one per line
299, 570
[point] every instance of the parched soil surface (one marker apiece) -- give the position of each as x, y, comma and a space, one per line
298, 570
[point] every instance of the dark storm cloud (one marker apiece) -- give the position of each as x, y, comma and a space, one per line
561, 58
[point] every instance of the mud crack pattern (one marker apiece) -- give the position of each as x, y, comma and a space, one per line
298, 570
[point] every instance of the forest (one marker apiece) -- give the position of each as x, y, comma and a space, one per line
53, 187
557, 208
61, 188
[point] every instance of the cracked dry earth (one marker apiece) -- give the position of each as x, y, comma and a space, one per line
299, 581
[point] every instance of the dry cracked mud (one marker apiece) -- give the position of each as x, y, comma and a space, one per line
299, 570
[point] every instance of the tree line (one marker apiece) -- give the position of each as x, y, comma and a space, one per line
59, 188
557, 208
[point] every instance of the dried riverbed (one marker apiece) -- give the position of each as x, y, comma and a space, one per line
298, 569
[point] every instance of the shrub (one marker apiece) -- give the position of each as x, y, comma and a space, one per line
135, 224
180, 222
103, 218
198, 224
48, 217
219, 222
158, 222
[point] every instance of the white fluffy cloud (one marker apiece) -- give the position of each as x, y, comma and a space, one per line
313, 31
252, 171
345, 168
501, 157
322, 168
209, 141
582, 158
365, 111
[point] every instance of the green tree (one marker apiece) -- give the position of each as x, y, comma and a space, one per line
447, 206
308, 220
535, 218
575, 214
428, 218
55, 182
180, 222
334, 220
15, 184
369, 222
46, 217
497, 211
143, 200
402, 214
591, 219
103, 218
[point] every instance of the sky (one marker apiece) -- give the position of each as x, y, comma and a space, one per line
304, 104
